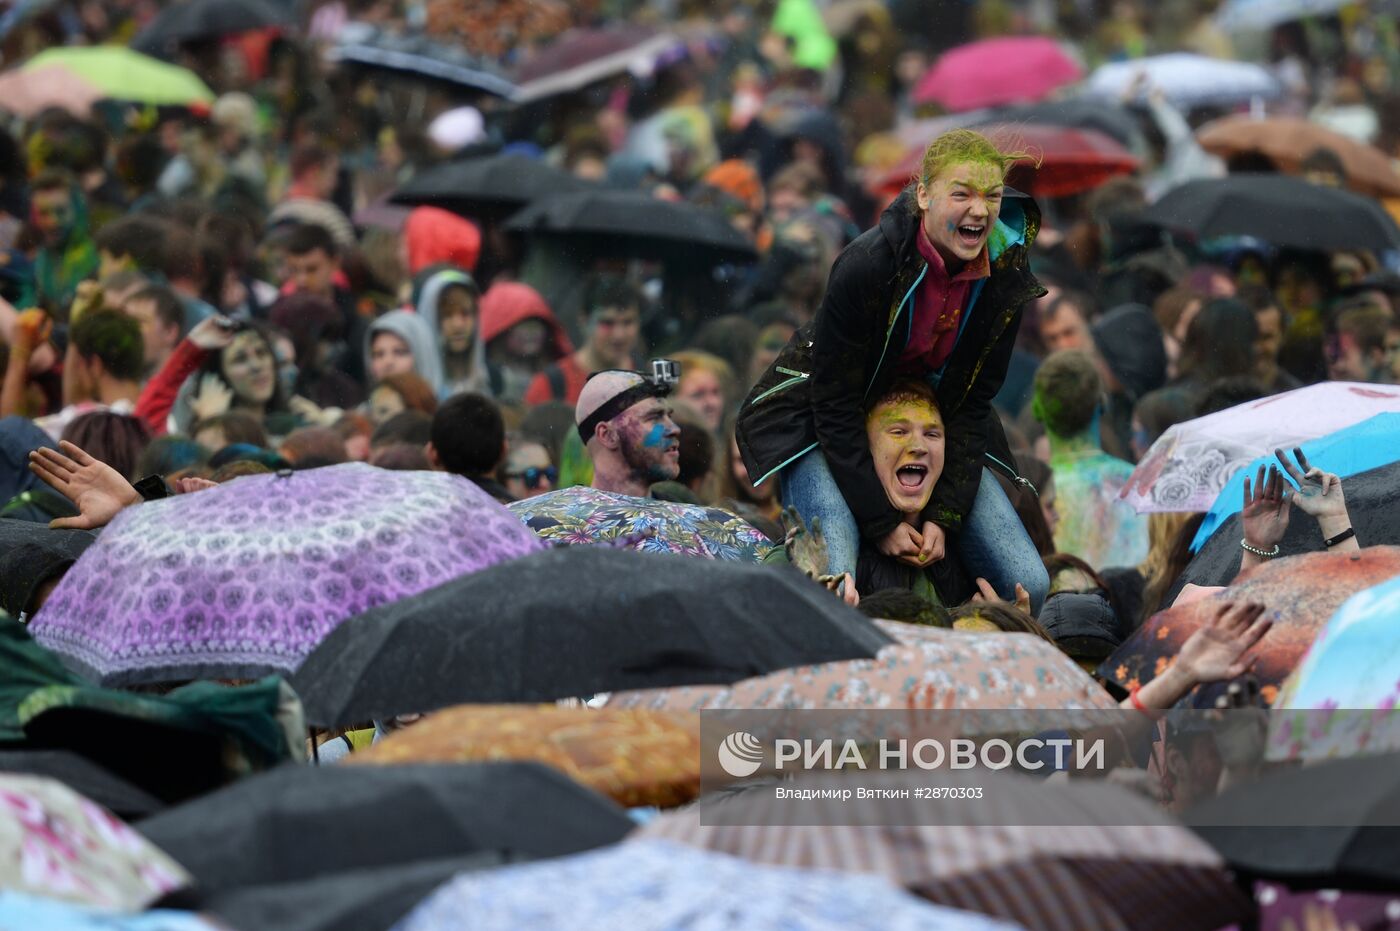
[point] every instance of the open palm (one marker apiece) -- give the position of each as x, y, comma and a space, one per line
1266, 508
98, 490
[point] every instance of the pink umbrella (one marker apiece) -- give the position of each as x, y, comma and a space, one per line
25, 93
997, 72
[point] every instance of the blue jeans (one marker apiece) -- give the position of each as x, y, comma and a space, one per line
993, 544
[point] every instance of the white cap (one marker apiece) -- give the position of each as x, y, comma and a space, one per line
456, 129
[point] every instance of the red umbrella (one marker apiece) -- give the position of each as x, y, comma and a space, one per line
1071, 160
997, 73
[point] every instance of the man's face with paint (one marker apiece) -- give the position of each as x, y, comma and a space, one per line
960, 206
53, 215
651, 440
907, 444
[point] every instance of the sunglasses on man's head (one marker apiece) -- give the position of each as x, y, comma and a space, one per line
531, 476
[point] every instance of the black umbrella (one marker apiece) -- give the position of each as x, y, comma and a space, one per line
301, 822
419, 57
372, 899
636, 225
1332, 824
576, 621
84, 777
1373, 501
30, 555
1279, 209
192, 20
494, 185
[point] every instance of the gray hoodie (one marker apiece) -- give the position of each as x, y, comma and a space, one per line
430, 294
419, 334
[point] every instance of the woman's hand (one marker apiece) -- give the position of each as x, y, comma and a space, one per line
212, 333
212, 399
1214, 651
1319, 493
1266, 509
98, 490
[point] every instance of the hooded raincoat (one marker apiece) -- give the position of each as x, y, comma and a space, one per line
816, 392
504, 305
421, 340
430, 294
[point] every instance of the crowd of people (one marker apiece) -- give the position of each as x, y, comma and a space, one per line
929, 396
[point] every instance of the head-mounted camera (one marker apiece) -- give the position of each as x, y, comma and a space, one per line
659, 383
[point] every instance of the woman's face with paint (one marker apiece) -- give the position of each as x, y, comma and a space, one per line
960, 205
907, 444
250, 368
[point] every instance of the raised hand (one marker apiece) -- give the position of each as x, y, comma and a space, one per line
212, 333
1216, 650
1266, 508
98, 490
212, 399
1319, 493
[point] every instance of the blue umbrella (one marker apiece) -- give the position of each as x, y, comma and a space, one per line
1356, 449
649, 885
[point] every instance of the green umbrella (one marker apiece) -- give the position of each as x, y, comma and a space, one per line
126, 75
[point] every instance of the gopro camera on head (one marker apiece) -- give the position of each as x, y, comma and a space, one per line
665, 373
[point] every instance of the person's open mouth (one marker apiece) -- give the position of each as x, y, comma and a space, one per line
912, 476
970, 234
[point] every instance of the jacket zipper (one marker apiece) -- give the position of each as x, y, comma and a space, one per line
890, 331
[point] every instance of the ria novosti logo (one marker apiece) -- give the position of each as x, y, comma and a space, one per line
741, 754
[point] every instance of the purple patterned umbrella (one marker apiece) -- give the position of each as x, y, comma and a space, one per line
246, 579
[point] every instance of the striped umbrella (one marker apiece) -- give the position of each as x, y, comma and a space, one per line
1052, 857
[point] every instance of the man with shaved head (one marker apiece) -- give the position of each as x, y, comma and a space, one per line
625, 422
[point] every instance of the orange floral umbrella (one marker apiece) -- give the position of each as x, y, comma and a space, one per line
635, 757
1300, 593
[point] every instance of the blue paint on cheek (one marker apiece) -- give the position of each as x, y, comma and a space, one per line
952, 226
656, 436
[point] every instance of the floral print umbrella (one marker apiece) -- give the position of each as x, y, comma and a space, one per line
1344, 697
928, 668
244, 580
587, 515
56, 844
1300, 593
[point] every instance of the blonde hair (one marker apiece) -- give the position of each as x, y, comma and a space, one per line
960, 146
695, 360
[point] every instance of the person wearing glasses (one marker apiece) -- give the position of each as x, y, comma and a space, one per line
528, 470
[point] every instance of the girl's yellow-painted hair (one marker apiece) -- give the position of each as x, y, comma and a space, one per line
961, 146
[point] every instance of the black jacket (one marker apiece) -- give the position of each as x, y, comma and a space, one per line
817, 391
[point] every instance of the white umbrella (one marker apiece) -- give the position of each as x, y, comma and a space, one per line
1187, 80
1260, 15
1189, 464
